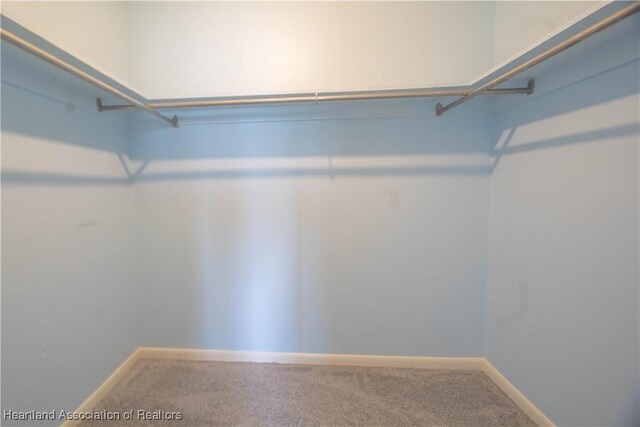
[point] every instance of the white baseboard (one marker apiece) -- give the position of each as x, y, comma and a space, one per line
465, 363
520, 399
475, 363
104, 388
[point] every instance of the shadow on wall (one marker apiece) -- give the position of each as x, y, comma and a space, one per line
554, 99
47, 107
353, 129
53, 120
321, 135
406, 127
35, 104
586, 90
604, 135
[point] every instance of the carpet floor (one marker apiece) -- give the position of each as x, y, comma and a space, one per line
267, 394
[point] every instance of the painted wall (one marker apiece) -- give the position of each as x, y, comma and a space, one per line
95, 31
248, 48
562, 292
520, 24
245, 48
193, 49
69, 306
346, 228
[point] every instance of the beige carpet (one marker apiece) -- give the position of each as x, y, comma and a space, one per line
222, 393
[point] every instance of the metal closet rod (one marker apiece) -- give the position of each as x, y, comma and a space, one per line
42, 54
466, 94
571, 41
316, 97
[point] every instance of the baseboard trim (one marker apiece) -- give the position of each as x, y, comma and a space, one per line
465, 363
104, 388
475, 363
520, 399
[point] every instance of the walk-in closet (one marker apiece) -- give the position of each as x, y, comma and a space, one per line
237, 213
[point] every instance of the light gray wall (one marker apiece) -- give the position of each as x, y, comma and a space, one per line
518, 25
249, 48
69, 306
72, 26
562, 292
353, 228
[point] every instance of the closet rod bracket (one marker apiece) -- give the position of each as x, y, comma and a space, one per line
62, 64
531, 86
174, 121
